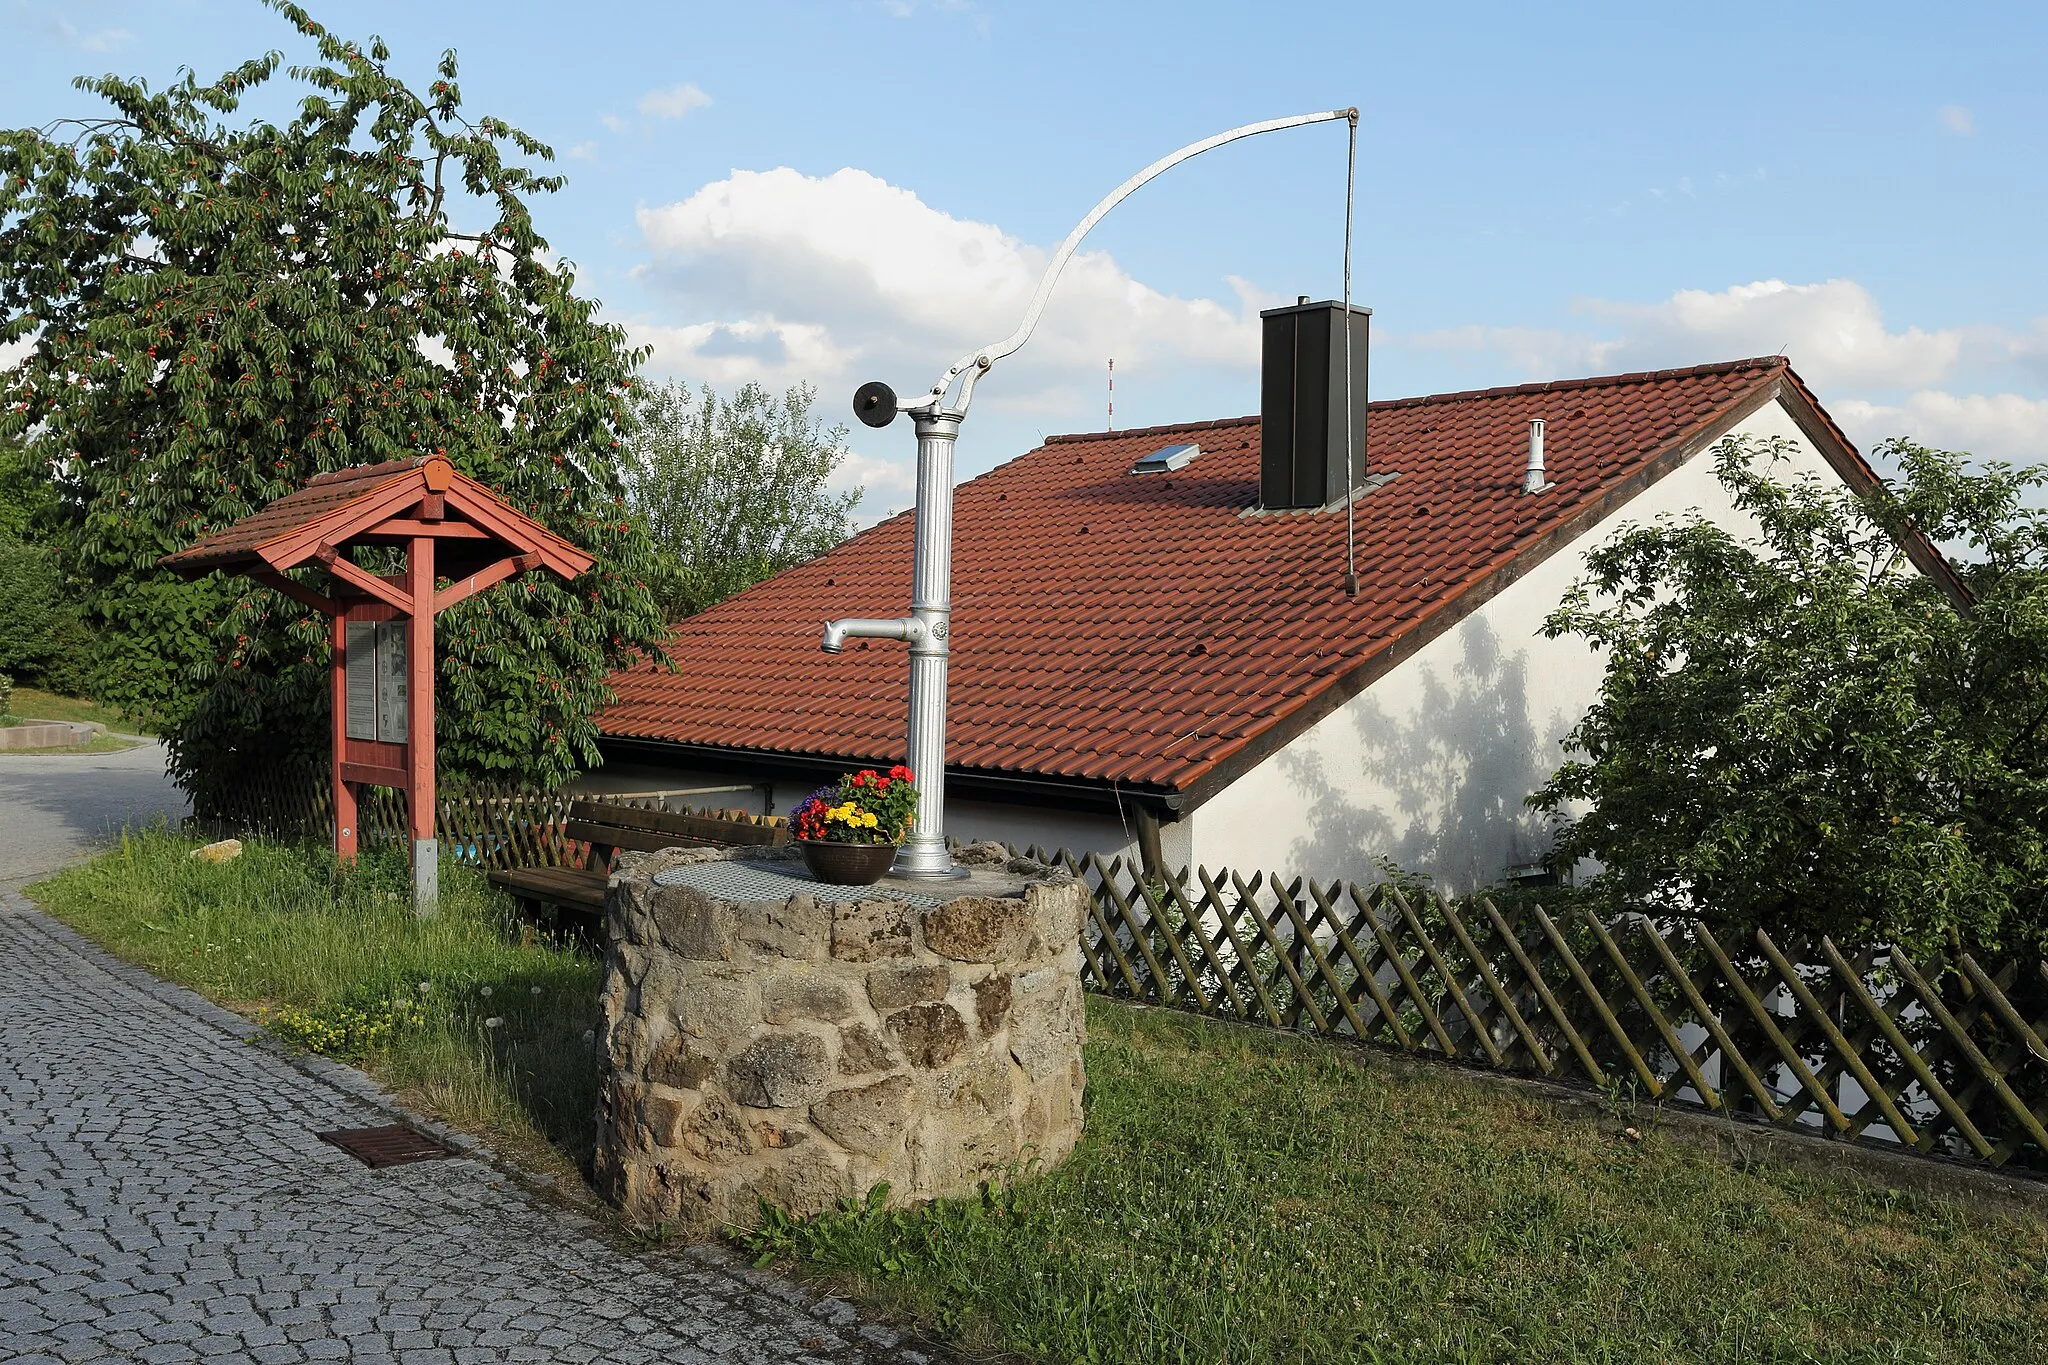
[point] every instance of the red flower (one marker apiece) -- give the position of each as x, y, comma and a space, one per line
901, 773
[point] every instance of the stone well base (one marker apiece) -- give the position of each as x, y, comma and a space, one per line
804, 1048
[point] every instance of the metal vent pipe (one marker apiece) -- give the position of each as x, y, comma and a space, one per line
1532, 478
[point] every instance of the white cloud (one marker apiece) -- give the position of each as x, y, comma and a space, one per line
613, 123
62, 29
1956, 119
673, 102
1877, 380
1834, 333
582, 151
887, 486
1996, 426
845, 277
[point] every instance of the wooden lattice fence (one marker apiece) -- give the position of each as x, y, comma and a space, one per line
487, 825
1945, 1057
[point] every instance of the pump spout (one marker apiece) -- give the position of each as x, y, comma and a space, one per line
867, 627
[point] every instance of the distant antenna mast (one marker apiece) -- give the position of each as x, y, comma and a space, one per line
938, 428
1110, 425
1350, 486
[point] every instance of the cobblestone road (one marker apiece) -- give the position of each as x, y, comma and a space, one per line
163, 1198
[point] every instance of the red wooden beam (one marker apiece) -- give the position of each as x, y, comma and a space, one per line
409, 527
298, 592
508, 524
484, 578
390, 497
373, 774
346, 569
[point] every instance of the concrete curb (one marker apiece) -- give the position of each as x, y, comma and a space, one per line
50, 734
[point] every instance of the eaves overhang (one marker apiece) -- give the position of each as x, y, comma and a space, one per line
1061, 793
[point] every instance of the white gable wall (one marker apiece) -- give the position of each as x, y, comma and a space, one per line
1429, 765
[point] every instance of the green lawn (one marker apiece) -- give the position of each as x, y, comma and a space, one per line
32, 703
1238, 1196
99, 744
1241, 1197
282, 934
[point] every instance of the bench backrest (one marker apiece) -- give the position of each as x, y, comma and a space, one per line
607, 827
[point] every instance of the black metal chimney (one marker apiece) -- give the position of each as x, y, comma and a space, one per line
1301, 404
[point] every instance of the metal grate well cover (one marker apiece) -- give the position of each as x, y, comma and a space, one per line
394, 1144
746, 882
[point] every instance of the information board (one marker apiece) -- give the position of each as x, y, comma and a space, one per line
374, 670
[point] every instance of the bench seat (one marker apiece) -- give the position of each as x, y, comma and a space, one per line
608, 828
568, 886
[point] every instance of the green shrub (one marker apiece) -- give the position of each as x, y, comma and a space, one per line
1801, 731
42, 638
178, 401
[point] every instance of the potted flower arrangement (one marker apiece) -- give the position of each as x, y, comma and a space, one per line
849, 830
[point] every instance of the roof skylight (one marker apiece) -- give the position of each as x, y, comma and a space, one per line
1167, 459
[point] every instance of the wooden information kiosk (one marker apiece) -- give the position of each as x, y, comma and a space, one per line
450, 528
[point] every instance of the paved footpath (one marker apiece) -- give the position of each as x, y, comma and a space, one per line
163, 1198
54, 808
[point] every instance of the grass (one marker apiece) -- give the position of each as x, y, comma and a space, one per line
1237, 1197
32, 703
284, 935
1241, 1197
99, 744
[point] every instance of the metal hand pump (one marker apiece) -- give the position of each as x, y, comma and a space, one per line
927, 627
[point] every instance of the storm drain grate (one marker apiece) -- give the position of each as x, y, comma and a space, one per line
394, 1144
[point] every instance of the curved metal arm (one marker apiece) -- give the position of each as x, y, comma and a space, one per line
976, 362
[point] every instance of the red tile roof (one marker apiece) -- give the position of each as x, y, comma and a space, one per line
322, 495
1144, 630
343, 504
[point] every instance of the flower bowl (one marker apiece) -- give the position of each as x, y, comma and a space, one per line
847, 864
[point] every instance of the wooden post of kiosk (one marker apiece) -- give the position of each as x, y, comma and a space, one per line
344, 794
419, 738
382, 688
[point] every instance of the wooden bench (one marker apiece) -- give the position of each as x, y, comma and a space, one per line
607, 829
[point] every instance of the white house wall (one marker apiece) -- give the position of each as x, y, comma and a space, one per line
1429, 766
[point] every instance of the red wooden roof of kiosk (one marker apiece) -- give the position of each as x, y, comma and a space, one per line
1154, 631
362, 503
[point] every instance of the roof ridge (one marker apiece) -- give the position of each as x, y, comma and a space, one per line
1168, 429
1597, 381
1762, 362
381, 469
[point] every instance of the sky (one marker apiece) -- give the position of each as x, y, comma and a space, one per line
825, 193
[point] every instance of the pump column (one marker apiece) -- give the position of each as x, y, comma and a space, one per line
931, 605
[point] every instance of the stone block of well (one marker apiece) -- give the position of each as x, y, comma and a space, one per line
771, 1038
